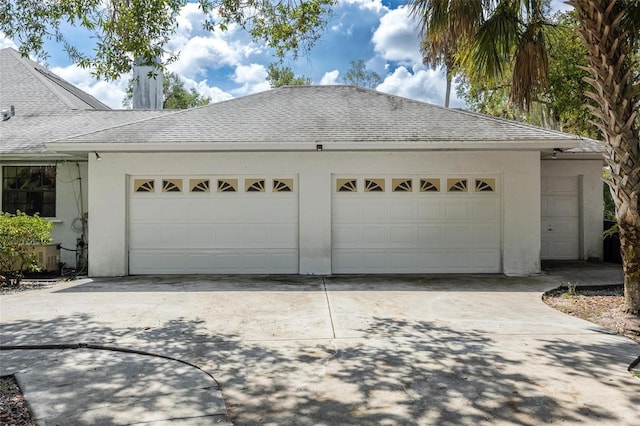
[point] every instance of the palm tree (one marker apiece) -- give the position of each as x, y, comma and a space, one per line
508, 36
443, 27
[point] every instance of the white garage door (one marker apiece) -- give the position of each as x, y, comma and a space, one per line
560, 218
213, 224
416, 224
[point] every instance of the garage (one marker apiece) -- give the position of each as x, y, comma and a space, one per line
213, 224
416, 224
560, 233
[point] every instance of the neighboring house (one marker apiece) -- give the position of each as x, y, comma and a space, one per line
329, 179
35, 179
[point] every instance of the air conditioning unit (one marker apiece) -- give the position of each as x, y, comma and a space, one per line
48, 256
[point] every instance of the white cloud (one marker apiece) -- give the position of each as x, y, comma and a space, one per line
214, 93
6, 42
200, 50
329, 78
253, 78
110, 93
373, 5
397, 38
421, 84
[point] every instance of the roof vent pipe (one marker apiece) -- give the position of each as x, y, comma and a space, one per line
147, 84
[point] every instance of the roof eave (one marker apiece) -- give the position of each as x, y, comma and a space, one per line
516, 145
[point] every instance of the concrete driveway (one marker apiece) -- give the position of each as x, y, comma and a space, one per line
459, 350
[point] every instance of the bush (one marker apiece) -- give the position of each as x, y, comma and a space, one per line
18, 234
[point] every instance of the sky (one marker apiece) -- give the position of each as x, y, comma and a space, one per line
224, 65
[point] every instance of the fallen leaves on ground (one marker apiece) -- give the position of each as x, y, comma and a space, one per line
602, 306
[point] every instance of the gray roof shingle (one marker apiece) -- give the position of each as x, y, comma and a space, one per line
49, 108
28, 134
34, 90
321, 114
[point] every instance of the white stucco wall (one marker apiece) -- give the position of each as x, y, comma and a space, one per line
519, 171
590, 199
71, 203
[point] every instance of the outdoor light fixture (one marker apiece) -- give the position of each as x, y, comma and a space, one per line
98, 158
319, 147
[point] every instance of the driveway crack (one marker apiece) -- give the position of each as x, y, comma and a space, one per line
326, 295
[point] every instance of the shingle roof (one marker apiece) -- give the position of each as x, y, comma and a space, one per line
28, 134
321, 114
49, 108
33, 89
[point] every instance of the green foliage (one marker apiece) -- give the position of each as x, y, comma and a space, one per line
18, 234
129, 29
359, 75
562, 104
283, 76
571, 290
174, 94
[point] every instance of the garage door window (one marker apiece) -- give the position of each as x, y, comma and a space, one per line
347, 185
144, 185
254, 185
171, 185
200, 185
456, 185
374, 185
282, 185
402, 185
227, 185
429, 185
485, 185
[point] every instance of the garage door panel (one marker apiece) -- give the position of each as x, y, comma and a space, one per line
403, 261
207, 231
284, 236
458, 236
144, 236
403, 210
172, 236
486, 209
456, 209
403, 236
212, 261
486, 236
349, 208
346, 236
431, 261
200, 236
377, 211
486, 261
199, 211
459, 261
430, 209
375, 235
426, 232
430, 236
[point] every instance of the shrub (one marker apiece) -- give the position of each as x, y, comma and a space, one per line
18, 234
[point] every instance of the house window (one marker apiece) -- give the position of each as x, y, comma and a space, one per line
30, 189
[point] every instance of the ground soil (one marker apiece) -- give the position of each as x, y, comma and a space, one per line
602, 306
13, 408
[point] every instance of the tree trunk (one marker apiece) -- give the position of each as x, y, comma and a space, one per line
612, 79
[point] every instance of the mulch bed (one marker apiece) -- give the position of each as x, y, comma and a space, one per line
13, 408
601, 305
